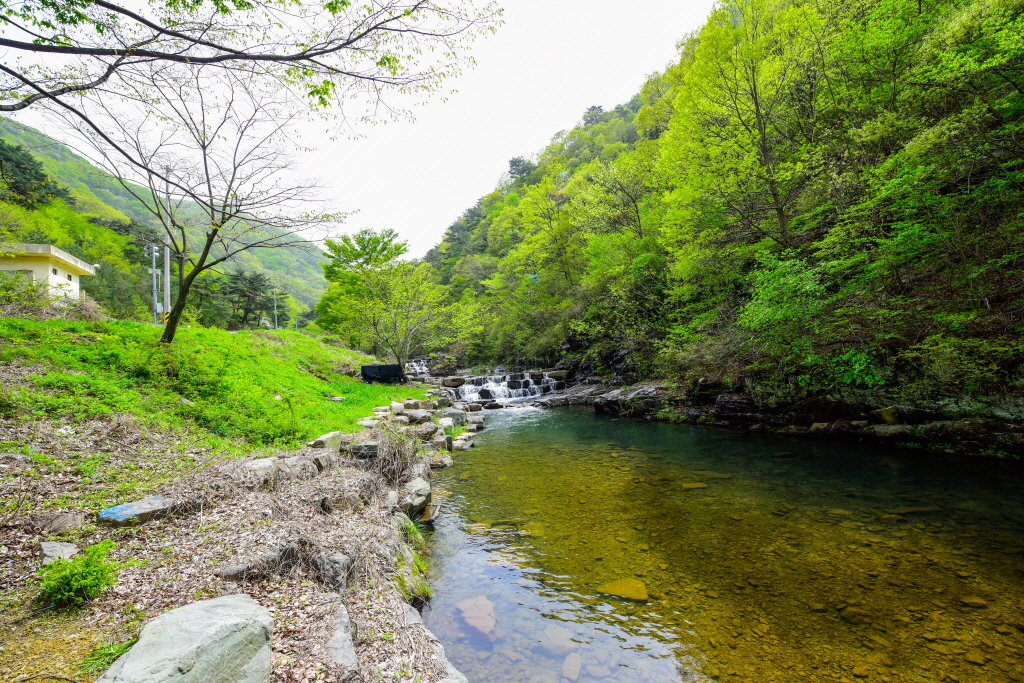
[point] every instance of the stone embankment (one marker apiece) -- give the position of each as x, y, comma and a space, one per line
819, 417
313, 565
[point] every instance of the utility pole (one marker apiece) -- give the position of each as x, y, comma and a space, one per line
153, 251
167, 282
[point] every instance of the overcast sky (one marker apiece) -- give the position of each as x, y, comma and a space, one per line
550, 61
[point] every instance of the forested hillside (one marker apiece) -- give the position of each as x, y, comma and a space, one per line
813, 196
101, 201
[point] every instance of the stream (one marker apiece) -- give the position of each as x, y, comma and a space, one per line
761, 558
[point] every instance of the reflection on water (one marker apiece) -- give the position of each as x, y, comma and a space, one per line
763, 558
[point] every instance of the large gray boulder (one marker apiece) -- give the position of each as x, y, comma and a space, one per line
330, 441
224, 640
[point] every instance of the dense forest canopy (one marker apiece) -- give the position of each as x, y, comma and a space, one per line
817, 195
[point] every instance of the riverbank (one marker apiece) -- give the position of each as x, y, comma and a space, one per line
317, 537
820, 417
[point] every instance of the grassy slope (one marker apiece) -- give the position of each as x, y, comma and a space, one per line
211, 392
269, 388
295, 270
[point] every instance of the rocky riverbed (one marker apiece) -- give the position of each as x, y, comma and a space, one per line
315, 538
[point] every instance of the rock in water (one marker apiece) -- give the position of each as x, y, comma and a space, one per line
571, 666
417, 496
478, 613
557, 640
973, 601
855, 615
224, 640
625, 588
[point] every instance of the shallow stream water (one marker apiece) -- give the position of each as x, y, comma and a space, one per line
763, 558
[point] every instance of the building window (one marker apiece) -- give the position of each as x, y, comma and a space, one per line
54, 271
69, 278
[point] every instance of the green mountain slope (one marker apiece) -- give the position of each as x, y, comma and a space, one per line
294, 270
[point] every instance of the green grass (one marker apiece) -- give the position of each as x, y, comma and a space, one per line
103, 656
264, 388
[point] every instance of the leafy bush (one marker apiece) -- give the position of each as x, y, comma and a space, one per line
71, 582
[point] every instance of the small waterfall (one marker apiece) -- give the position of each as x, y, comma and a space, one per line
417, 367
516, 385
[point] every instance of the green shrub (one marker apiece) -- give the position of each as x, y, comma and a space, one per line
71, 582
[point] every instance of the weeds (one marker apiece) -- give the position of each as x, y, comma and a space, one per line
103, 656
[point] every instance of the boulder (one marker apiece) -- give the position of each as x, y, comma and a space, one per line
366, 449
341, 647
324, 461
331, 440
397, 408
458, 417
441, 443
425, 405
416, 496
443, 401
474, 407
411, 404
889, 416
453, 381
440, 461
558, 374
368, 423
51, 551
475, 419
297, 467
224, 640
492, 406
427, 430
400, 420
150, 507
418, 416
54, 522
892, 431
446, 423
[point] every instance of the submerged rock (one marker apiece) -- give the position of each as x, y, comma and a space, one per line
224, 640
557, 640
625, 588
478, 613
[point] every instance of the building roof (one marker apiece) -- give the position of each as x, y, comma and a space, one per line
51, 253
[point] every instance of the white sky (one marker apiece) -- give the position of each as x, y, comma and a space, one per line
550, 61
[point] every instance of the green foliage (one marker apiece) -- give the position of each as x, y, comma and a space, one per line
819, 192
83, 577
25, 183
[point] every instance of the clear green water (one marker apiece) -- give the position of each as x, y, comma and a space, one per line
749, 578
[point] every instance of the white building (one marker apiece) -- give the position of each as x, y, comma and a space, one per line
46, 265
